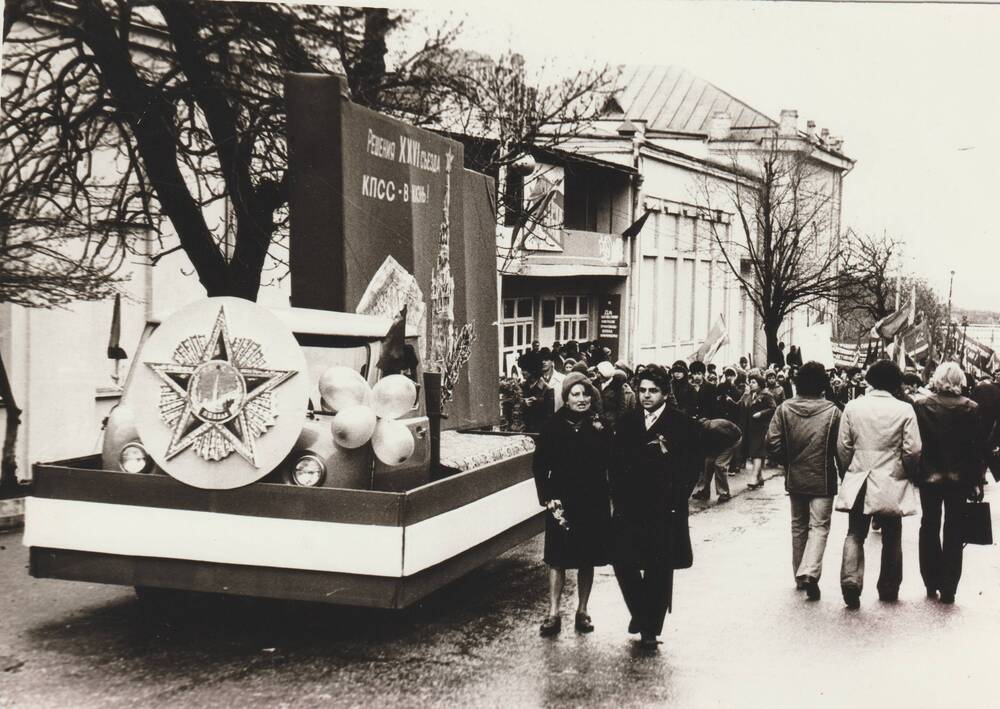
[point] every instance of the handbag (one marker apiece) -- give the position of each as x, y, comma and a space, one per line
976, 526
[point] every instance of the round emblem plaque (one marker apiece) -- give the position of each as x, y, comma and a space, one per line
220, 393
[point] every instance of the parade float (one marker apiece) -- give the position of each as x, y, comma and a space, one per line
340, 450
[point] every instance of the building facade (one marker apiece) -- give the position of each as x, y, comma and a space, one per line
692, 145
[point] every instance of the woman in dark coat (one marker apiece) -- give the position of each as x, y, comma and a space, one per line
570, 465
654, 469
756, 410
951, 471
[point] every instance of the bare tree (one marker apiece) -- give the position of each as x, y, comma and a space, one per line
120, 112
787, 255
873, 263
514, 111
871, 292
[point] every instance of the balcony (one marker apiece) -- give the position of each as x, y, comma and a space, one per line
573, 252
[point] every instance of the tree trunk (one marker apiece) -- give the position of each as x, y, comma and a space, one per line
8, 464
771, 325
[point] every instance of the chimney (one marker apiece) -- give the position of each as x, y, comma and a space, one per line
811, 130
824, 135
836, 143
789, 123
720, 126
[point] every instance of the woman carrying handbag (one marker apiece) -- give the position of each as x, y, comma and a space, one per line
951, 471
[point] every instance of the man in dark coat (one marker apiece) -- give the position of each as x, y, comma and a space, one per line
657, 449
680, 388
794, 358
704, 398
986, 394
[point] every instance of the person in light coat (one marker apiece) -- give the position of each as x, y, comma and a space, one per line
879, 448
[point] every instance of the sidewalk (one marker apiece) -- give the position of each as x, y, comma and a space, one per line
12, 507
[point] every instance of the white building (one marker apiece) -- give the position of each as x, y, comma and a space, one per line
681, 134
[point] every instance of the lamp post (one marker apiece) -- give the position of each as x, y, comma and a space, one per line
965, 327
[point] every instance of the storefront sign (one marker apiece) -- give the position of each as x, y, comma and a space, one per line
608, 322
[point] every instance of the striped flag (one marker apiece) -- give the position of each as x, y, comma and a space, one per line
894, 323
716, 338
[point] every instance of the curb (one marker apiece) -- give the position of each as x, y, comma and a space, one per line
11, 514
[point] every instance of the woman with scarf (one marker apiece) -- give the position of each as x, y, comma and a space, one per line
571, 477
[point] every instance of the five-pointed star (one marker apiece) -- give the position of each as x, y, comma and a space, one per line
188, 429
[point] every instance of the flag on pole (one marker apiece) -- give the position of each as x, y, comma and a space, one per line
115, 350
637, 226
894, 323
715, 339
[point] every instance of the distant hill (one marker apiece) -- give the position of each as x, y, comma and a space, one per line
976, 316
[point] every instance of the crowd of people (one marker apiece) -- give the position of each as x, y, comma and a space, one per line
620, 451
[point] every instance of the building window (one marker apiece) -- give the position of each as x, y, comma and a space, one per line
518, 328
572, 318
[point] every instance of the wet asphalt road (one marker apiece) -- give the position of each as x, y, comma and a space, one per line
740, 636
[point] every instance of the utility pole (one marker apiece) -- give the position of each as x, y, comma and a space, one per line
898, 341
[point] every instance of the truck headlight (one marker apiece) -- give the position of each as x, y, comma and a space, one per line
134, 459
309, 471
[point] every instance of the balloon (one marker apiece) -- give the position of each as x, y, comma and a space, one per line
393, 443
341, 387
353, 426
393, 396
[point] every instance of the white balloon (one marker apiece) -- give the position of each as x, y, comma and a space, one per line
393, 396
353, 426
393, 443
341, 387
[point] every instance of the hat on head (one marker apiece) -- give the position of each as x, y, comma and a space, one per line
679, 366
606, 369
697, 367
574, 378
580, 368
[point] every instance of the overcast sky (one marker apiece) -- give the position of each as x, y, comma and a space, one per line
912, 89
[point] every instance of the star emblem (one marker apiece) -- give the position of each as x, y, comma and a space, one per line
217, 394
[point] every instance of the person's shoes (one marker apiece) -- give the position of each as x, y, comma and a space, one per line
633, 626
725, 497
701, 495
852, 598
812, 589
932, 593
888, 597
551, 626
754, 485
648, 641
876, 524
948, 598
800, 584
583, 623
